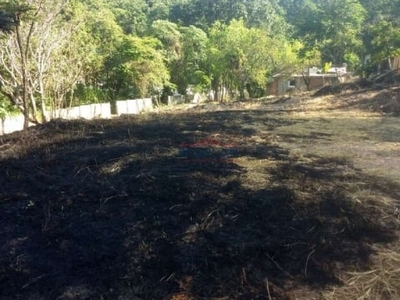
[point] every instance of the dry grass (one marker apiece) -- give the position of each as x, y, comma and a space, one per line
371, 142
380, 283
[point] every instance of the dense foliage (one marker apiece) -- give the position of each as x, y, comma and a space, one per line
57, 53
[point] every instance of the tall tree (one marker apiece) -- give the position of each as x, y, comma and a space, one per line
382, 9
191, 68
38, 56
381, 31
185, 50
17, 53
238, 67
385, 42
159, 9
333, 26
97, 39
14, 59
131, 15
265, 14
136, 68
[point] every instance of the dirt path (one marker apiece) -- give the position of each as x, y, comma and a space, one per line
255, 200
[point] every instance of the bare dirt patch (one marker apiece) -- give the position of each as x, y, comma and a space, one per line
251, 200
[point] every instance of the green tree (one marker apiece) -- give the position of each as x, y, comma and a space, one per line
159, 9
307, 58
386, 40
131, 15
97, 40
135, 68
6, 21
185, 51
341, 29
335, 27
186, 68
170, 36
237, 67
382, 9
79, 62
268, 15
381, 30
265, 14
193, 60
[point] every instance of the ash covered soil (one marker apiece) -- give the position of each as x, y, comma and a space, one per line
241, 201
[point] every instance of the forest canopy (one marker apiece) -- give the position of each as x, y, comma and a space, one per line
59, 53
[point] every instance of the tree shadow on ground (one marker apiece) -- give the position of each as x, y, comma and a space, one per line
155, 207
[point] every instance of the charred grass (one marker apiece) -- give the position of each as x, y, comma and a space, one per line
242, 203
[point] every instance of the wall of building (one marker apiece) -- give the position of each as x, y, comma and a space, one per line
280, 86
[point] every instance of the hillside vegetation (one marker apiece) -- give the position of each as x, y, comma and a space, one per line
60, 53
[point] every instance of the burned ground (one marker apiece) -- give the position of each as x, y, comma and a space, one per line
192, 204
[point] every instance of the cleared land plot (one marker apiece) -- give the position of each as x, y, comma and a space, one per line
280, 200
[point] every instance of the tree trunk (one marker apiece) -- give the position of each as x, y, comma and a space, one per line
215, 86
250, 90
23, 56
25, 104
389, 63
307, 81
45, 116
241, 91
34, 108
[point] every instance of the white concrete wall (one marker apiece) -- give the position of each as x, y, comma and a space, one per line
132, 107
90, 111
11, 124
66, 113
